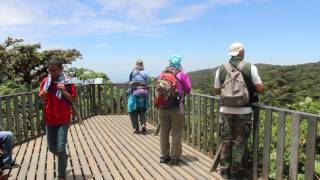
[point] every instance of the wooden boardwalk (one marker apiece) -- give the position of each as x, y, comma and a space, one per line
105, 148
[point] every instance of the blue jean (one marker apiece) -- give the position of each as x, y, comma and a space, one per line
6, 141
57, 139
135, 116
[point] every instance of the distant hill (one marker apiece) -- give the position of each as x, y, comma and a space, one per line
284, 84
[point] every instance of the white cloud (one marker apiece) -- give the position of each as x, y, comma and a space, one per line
193, 11
137, 10
63, 18
44, 12
61, 12
13, 13
110, 26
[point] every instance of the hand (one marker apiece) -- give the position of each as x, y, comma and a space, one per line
42, 94
61, 87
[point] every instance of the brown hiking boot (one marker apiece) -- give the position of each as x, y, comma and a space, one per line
164, 159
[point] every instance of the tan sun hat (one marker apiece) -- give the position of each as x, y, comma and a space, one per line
235, 48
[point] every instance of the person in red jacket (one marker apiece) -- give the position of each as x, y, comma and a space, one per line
58, 93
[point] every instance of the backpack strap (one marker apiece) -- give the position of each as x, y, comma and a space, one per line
130, 77
228, 67
175, 75
241, 66
174, 72
134, 75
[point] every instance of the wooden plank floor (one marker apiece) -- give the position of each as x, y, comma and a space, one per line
105, 148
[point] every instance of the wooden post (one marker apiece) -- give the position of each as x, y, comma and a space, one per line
280, 144
294, 150
255, 142
267, 143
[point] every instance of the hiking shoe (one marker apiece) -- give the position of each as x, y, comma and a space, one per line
10, 165
175, 161
144, 130
164, 159
136, 131
225, 174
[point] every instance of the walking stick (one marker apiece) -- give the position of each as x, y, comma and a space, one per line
216, 159
76, 112
157, 130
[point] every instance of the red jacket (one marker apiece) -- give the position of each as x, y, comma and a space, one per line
57, 111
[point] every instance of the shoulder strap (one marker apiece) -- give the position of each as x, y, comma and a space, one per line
175, 75
134, 75
130, 76
144, 77
228, 67
241, 65
174, 72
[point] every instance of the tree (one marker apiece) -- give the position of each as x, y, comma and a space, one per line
86, 74
68, 56
27, 62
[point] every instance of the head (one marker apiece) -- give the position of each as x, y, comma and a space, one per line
139, 65
236, 49
55, 67
175, 61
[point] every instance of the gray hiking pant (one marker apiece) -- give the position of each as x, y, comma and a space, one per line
171, 120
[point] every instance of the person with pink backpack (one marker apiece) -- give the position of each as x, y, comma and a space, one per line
171, 86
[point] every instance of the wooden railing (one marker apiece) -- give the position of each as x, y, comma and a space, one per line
273, 155
23, 115
299, 146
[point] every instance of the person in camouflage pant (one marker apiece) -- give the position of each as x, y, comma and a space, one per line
236, 121
235, 130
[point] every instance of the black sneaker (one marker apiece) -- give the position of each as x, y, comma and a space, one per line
164, 159
10, 165
61, 178
144, 130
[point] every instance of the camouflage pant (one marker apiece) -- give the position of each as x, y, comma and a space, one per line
234, 133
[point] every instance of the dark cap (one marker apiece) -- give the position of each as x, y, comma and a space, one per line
56, 61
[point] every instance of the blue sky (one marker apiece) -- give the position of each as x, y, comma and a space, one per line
112, 34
